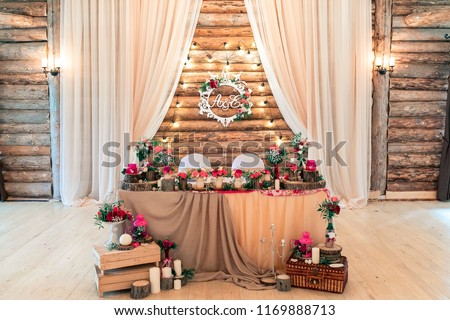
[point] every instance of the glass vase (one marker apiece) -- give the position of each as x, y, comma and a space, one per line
218, 183
329, 241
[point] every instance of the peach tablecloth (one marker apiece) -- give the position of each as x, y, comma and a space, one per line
253, 213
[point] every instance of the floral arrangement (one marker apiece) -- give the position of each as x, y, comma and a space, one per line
162, 155
202, 173
300, 146
167, 170
238, 173
111, 212
144, 148
255, 175
329, 208
219, 172
292, 167
149, 167
244, 111
167, 243
297, 249
276, 154
182, 175
138, 231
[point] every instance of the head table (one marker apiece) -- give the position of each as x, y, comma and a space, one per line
227, 235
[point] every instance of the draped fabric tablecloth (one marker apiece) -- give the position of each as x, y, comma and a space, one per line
219, 234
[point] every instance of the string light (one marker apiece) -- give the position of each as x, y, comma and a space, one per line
249, 54
164, 139
209, 58
240, 51
194, 45
175, 124
254, 44
270, 123
228, 65
261, 86
177, 104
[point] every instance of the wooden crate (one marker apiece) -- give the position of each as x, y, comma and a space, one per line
318, 276
114, 259
120, 279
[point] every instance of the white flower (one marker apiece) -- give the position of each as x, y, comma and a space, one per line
331, 235
145, 169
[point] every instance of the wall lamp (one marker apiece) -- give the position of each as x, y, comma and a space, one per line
383, 69
54, 71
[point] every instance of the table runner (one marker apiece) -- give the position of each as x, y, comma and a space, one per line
202, 226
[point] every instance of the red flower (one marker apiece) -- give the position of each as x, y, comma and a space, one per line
109, 217
336, 209
213, 83
247, 94
194, 174
240, 110
166, 243
286, 177
167, 170
182, 175
238, 173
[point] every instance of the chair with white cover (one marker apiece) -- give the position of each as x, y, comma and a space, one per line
247, 161
194, 161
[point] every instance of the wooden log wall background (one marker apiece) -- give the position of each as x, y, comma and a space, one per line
24, 104
418, 93
219, 22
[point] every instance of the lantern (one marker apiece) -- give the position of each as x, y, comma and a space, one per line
306, 245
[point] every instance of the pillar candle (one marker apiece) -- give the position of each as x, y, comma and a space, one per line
315, 255
167, 272
159, 183
177, 267
155, 285
277, 184
177, 284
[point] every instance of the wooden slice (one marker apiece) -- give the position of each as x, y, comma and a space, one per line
140, 289
268, 281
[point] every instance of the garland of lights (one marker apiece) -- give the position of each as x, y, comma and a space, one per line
240, 102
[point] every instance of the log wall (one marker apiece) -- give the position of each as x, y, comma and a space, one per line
24, 104
417, 93
219, 22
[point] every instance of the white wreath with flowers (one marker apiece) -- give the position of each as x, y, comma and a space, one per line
241, 102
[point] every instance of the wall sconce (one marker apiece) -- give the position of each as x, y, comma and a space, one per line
54, 71
382, 69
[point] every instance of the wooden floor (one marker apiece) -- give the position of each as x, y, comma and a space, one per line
396, 250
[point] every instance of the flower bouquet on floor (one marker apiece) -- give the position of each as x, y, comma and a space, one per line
276, 155
329, 209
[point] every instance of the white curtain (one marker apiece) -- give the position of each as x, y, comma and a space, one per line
113, 51
316, 54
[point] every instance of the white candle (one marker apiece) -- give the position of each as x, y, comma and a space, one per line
159, 183
155, 285
44, 63
177, 284
315, 255
277, 184
177, 267
392, 62
283, 243
167, 272
378, 61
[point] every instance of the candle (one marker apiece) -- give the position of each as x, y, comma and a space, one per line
44, 63
159, 183
283, 243
155, 286
315, 255
277, 184
177, 267
392, 62
379, 61
177, 284
167, 272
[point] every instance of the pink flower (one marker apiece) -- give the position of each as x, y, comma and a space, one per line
203, 174
169, 151
167, 170
158, 149
274, 148
182, 175
240, 110
334, 199
238, 173
243, 100
194, 174
266, 171
247, 94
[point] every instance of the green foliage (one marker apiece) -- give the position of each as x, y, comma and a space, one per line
188, 273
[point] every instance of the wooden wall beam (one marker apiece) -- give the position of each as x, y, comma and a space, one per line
382, 45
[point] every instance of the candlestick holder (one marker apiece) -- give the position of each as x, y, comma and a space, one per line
274, 250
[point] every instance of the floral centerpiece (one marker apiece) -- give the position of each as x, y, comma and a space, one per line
182, 180
200, 175
149, 171
253, 179
162, 156
144, 148
165, 246
329, 209
218, 174
292, 171
138, 231
237, 174
276, 155
168, 180
300, 146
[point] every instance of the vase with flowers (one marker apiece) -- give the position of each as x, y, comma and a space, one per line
254, 177
114, 215
165, 246
149, 172
199, 175
182, 181
218, 174
300, 146
168, 179
329, 209
276, 155
293, 171
144, 148
237, 184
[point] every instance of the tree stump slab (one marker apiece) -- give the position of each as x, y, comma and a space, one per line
140, 289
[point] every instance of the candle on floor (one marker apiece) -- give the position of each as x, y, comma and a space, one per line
177, 267
177, 284
167, 272
277, 184
155, 285
315, 255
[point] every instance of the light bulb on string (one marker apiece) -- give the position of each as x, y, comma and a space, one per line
228, 65
175, 124
270, 123
240, 51
225, 45
177, 104
249, 54
164, 139
209, 58
194, 44
261, 86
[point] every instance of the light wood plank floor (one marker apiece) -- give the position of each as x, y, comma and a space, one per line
396, 250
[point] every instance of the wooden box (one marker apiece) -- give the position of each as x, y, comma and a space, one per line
318, 276
107, 260
120, 279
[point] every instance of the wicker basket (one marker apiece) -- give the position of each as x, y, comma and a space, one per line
318, 276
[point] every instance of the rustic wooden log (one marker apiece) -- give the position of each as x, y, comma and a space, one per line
26, 92
261, 135
418, 84
29, 8
18, 163
3, 193
410, 8
140, 289
221, 6
23, 35
437, 17
235, 147
193, 114
417, 95
27, 78
24, 150
25, 139
22, 51
310, 176
132, 178
411, 108
212, 43
24, 128
167, 185
199, 77
413, 122
28, 176
144, 186
11, 20
221, 32
382, 44
223, 20
166, 283
21, 67
425, 46
408, 186
297, 185
191, 89
24, 116
434, 71
414, 160
24, 104
415, 58
416, 34
29, 190
192, 102
415, 3
283, 283
411, 134
414, 147
414, 174
211, 124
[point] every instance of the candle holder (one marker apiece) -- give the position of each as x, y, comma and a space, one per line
274, 250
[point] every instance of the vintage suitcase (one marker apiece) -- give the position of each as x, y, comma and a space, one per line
318, 276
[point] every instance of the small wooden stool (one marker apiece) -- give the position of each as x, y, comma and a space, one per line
140, 289
283, 282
